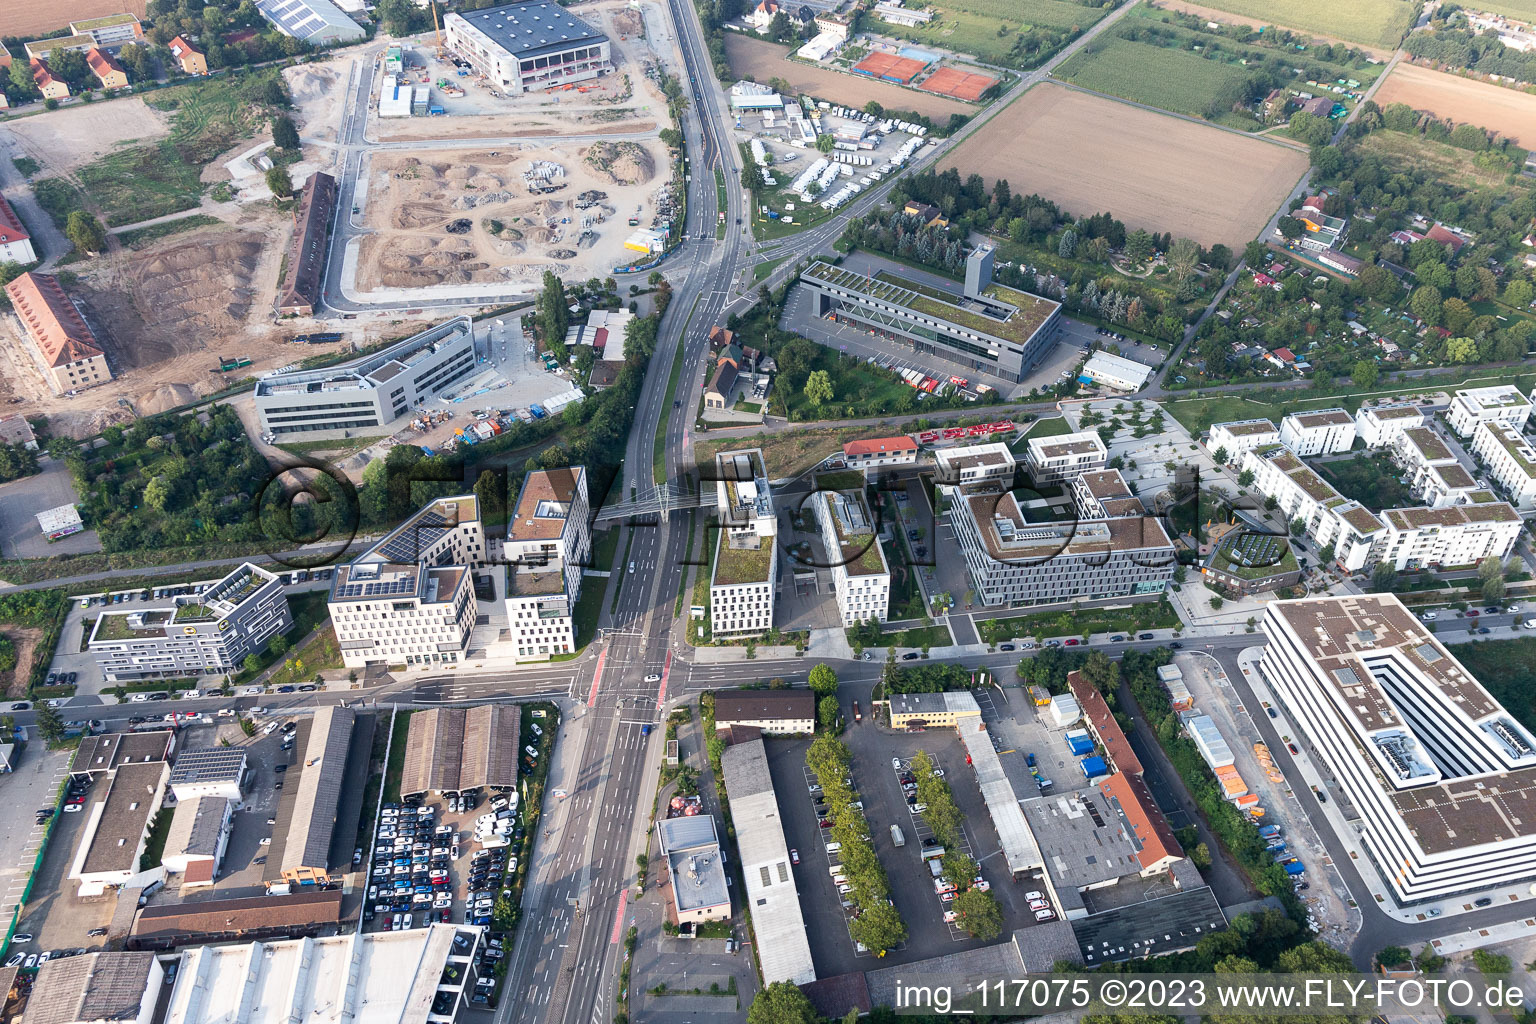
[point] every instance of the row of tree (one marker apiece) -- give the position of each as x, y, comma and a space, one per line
976, 911
1453, 43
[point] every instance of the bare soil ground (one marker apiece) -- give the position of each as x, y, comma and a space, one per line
14, 683
443, 217
1228, 18
31, 18
77, 135
764, 60
1154, 172
319, 93
1463, 100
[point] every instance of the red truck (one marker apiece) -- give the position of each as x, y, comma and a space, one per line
858, 716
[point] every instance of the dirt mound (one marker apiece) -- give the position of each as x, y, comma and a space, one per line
508, 248
311, 82
629, 22
561, 254
460, 226
622, 163
416, 215
164, 398
486, 182
459, 172
417, 263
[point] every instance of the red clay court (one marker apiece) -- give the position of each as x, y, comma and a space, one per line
962, 85
890, 67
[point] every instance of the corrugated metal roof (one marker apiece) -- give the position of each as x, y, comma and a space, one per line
686, 833
1014, 834
91, 987
321, 774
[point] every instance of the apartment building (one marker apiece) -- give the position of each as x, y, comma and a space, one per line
774, 712
1239, 436
1433, 473
106, 69
1014, 562
973, 464
1104, 494
547, 545
193, 634
745, 579
1510, 459
860, 576
1049, 459
59, 340
1457, 535
409, 599
1502, 402
1318, 433
880, 453
1439, 774
109, 30
1379, 426
1330, 517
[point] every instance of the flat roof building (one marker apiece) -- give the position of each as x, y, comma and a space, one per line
995, 329
1104, 494
306, 854
1459, 535
1168, 924
1330, 518
774, 712
1380, 425
1049, 459
61, 343
116, 827
1318, 433
745, 579
209, 771
96, 988
920, 710
110, 29
63, 521
547, 546
1502, 402
860, 577
784, 953
451, 750
1510, 459
972, 464
373, 391
1238, 436
695, 868
1437, 770
199, 836
527, 46
1116, 372
298, 294
193, 634
317, 22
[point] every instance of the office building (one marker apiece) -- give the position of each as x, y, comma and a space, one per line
299, 292
373, 393
1330, 518
1438, 773
1379, 426
1115, 372
109, 30
527, 46
1104, 494
1457, 535
547, 546
695, 868
61, 344
208, 771
1014, 562
1318, 433
991, 329
772, 712
955, 709
1510, 459
1049, 459
1240, 436
860, 576
1502, 402
973, 464
742, 588
409, 599
95, 988
783, 952
317, 22
193, 634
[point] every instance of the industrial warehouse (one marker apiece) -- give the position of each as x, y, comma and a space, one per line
528, 46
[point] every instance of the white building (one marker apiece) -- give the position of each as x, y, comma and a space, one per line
1116, 372
208, 771
409, 599
1510, 459
1318, 433
973, 464
1064, 456
15, 242
529, 45
117, 827
1502, 402
860, 576
1438, 772
1240, 436
317, 22
1419, 538
1379, 425
880, 452
742, 588
1104, 494
394, 97
547, 545
63, 521
746, 95
1330, 518
893, 13
695, 866
199, 836
1434, 475
772, 712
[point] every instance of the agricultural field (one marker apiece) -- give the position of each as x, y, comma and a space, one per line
1372, 22
1008, 33
1176, 80
1228, 18
1090, 154
1507, 111
763, 60
1525, 10
28, 19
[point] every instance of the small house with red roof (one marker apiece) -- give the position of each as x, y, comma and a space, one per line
52, 88
879, 452
15, 242
1445, 236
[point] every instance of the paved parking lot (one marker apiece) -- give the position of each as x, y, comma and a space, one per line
33, 783
54, 915
21, 501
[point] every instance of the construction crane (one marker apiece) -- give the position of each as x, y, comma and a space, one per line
436, 28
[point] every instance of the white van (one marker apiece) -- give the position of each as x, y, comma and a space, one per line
1529, 623
834, 847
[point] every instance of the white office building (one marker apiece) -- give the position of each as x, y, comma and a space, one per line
1502, 402
973, 464
860, 576
1457, 535
409, 599
1330, 517
547, 545
1379, 426
531, 45
1116, 372
1318, 433
741, 590
1064, 456
1438, 772
1240, 436
1510, 459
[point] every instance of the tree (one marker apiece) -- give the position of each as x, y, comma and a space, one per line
1183, 255
825, 143
1365, 374
818, 388
781, 1003
284, 134
49, 725
827, 711
1103, 674
1490, 568
1220, 455
1493, 590
1065, 248
1298, 526
279, 182
1254, 253
979, 915
1245, 478
1425, 303
1383, 578
85, 232
823, 681
1290, 227
1518, 293
1138, 245
1200, 856
1391, 956
278, 645
878, 928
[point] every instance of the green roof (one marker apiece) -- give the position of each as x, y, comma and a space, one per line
193, 611
106, 22
860, 549
1229, 557
742, 565
114, 626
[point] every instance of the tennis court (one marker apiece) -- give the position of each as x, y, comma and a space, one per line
962, 85
890, 67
